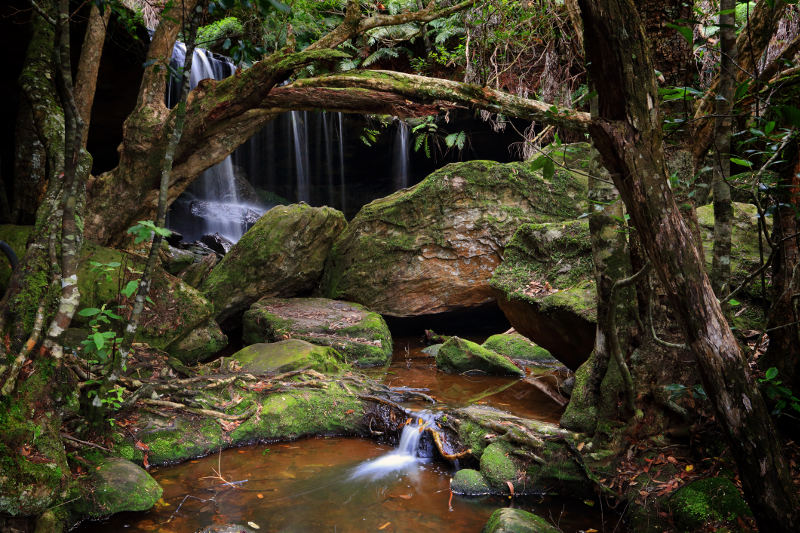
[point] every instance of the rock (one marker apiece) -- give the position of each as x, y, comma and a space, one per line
704, 502
515, 346
359, 335
17, 238
545, 287
200, 344
288, 355
174, 238
282, 255
497, 467
226, 528
510, 520
432, 350
432, 248
469, 483
458, 355
196, 273
217, 242
118, 485
176, 311
175, 259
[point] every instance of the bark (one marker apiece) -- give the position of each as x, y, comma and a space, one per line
627, 132
89, 65
723, 129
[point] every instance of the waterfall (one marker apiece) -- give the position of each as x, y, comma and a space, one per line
212, 204
400, 156
342, 203
302, 166
402, 458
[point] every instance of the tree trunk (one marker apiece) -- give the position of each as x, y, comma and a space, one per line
627, 132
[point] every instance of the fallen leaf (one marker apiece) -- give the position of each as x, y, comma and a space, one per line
581, 445
384, 526
689, 468
260, 496
254, 525
142, 446
510, 487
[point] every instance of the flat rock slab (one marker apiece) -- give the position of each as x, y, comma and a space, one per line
359, 335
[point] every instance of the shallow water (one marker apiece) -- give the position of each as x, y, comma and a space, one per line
309, 485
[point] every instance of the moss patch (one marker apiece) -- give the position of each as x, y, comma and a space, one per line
459, 355
516, 346
17, 238
117, 485
706, 501
497, 467
469, 483
517, 521
288, 355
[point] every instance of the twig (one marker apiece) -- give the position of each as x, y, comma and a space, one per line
85, 443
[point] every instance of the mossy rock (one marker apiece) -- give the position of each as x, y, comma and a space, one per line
469, 482
497, 467
281, 255
200, 344
431, 248
545, 287
358, 334
117, 485
17, 238
706, 501
432, 350
516, 346
176, 309
288, 355
459, 355
508, 520
226, 528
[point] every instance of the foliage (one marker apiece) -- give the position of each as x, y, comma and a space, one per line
214, 33
430, 137
779, 393
143, 231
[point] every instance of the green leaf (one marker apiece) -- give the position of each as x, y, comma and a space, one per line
89, 311
734, 303
99, 340
771, 373
741, 162
549, 169
685, 32
130, 288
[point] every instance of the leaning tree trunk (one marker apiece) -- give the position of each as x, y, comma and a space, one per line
627, 132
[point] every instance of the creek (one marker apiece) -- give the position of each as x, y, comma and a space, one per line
350, 484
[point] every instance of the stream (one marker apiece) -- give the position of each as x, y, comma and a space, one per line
353, 485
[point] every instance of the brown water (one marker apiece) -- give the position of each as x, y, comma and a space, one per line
411, 367
306, 486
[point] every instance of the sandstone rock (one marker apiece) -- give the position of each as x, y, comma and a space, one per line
432, 248
282, 255
459, 355
118, 485
201, 343
359, 335
545, 287
510, 520
288, 355
196, 273
469, 483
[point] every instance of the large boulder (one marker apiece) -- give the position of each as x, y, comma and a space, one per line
281, 255
286, 356
460, 355
432, 248
175, 309
516, 346
360, 335
508, 520
545, 286
118, 485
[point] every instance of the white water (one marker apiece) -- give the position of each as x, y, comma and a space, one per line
400, 156
401, 459
213, 198
301, 158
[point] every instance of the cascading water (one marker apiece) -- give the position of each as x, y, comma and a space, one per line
302, 165
212, 204
404, 457
400, 157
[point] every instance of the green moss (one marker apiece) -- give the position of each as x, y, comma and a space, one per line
516, 346
117, 485
469, 483
510, 520
460, 355
17, 238
497, 467
471, 435
706, 501
288, 355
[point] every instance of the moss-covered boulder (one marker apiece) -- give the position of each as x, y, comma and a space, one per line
705, 502
459, 355
432, 248
175, 310
281, 255
117, 485
469, 482
545, 287
497, 467
201, 343
510, 520
288, 355
358, 334
516, 346
16, 237
196, 273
